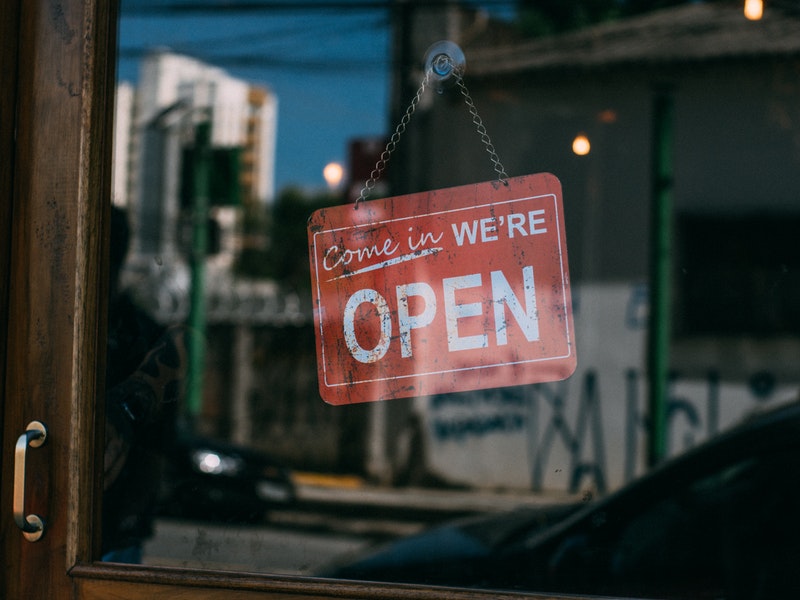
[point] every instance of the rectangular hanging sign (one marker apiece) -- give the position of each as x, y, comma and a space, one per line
449, 290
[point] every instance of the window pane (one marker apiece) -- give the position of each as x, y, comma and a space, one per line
677, 155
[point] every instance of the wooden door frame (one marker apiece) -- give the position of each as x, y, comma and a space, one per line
9, 18
56, 141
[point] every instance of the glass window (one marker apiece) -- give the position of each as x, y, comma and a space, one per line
673, 133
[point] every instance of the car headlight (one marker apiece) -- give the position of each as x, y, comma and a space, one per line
215, 463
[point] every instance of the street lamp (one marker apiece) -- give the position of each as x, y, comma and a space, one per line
753, 9
581, 145
333, 174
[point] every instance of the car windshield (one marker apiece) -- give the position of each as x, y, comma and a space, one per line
435, 292
736, 517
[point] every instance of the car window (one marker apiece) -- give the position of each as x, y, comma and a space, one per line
726, 534
685, 532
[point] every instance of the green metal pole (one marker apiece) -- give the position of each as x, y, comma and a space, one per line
197, 312
661, 268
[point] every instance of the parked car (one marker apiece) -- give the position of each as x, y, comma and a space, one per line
720, 521
219, 481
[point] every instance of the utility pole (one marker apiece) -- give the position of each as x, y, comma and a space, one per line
660, 273
197, 312
402, 89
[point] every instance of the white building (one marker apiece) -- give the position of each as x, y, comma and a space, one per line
154, 125
241, 114
123, 123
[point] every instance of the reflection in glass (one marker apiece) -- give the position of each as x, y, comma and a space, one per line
263, 476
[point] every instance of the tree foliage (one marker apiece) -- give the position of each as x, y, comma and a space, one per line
284, 256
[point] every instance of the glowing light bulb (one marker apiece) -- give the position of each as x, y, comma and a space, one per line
581, 145
333, 174
753, 9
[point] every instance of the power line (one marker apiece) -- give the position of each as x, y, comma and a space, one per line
133, 7
281, 34
270, 61
175, 8
299, 55
268, 49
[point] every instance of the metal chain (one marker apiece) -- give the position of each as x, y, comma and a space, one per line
476, 119
383, 161
380, 166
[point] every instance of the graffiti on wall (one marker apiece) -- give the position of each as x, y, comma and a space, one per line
590, 431
561, 436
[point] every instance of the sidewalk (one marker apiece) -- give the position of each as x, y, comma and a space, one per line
351, 491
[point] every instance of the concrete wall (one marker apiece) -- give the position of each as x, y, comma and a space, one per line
586, 433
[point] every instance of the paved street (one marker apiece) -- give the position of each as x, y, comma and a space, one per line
329, 522
262, 549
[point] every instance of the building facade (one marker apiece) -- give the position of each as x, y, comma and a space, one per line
156, 124
731, 87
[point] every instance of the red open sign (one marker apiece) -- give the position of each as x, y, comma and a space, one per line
449, 290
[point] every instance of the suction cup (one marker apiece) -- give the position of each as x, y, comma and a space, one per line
445, 62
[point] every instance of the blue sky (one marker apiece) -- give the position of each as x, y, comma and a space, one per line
329, 68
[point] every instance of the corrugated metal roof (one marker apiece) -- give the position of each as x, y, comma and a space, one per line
691, 33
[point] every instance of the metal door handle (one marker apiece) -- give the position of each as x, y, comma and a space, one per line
32, 526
